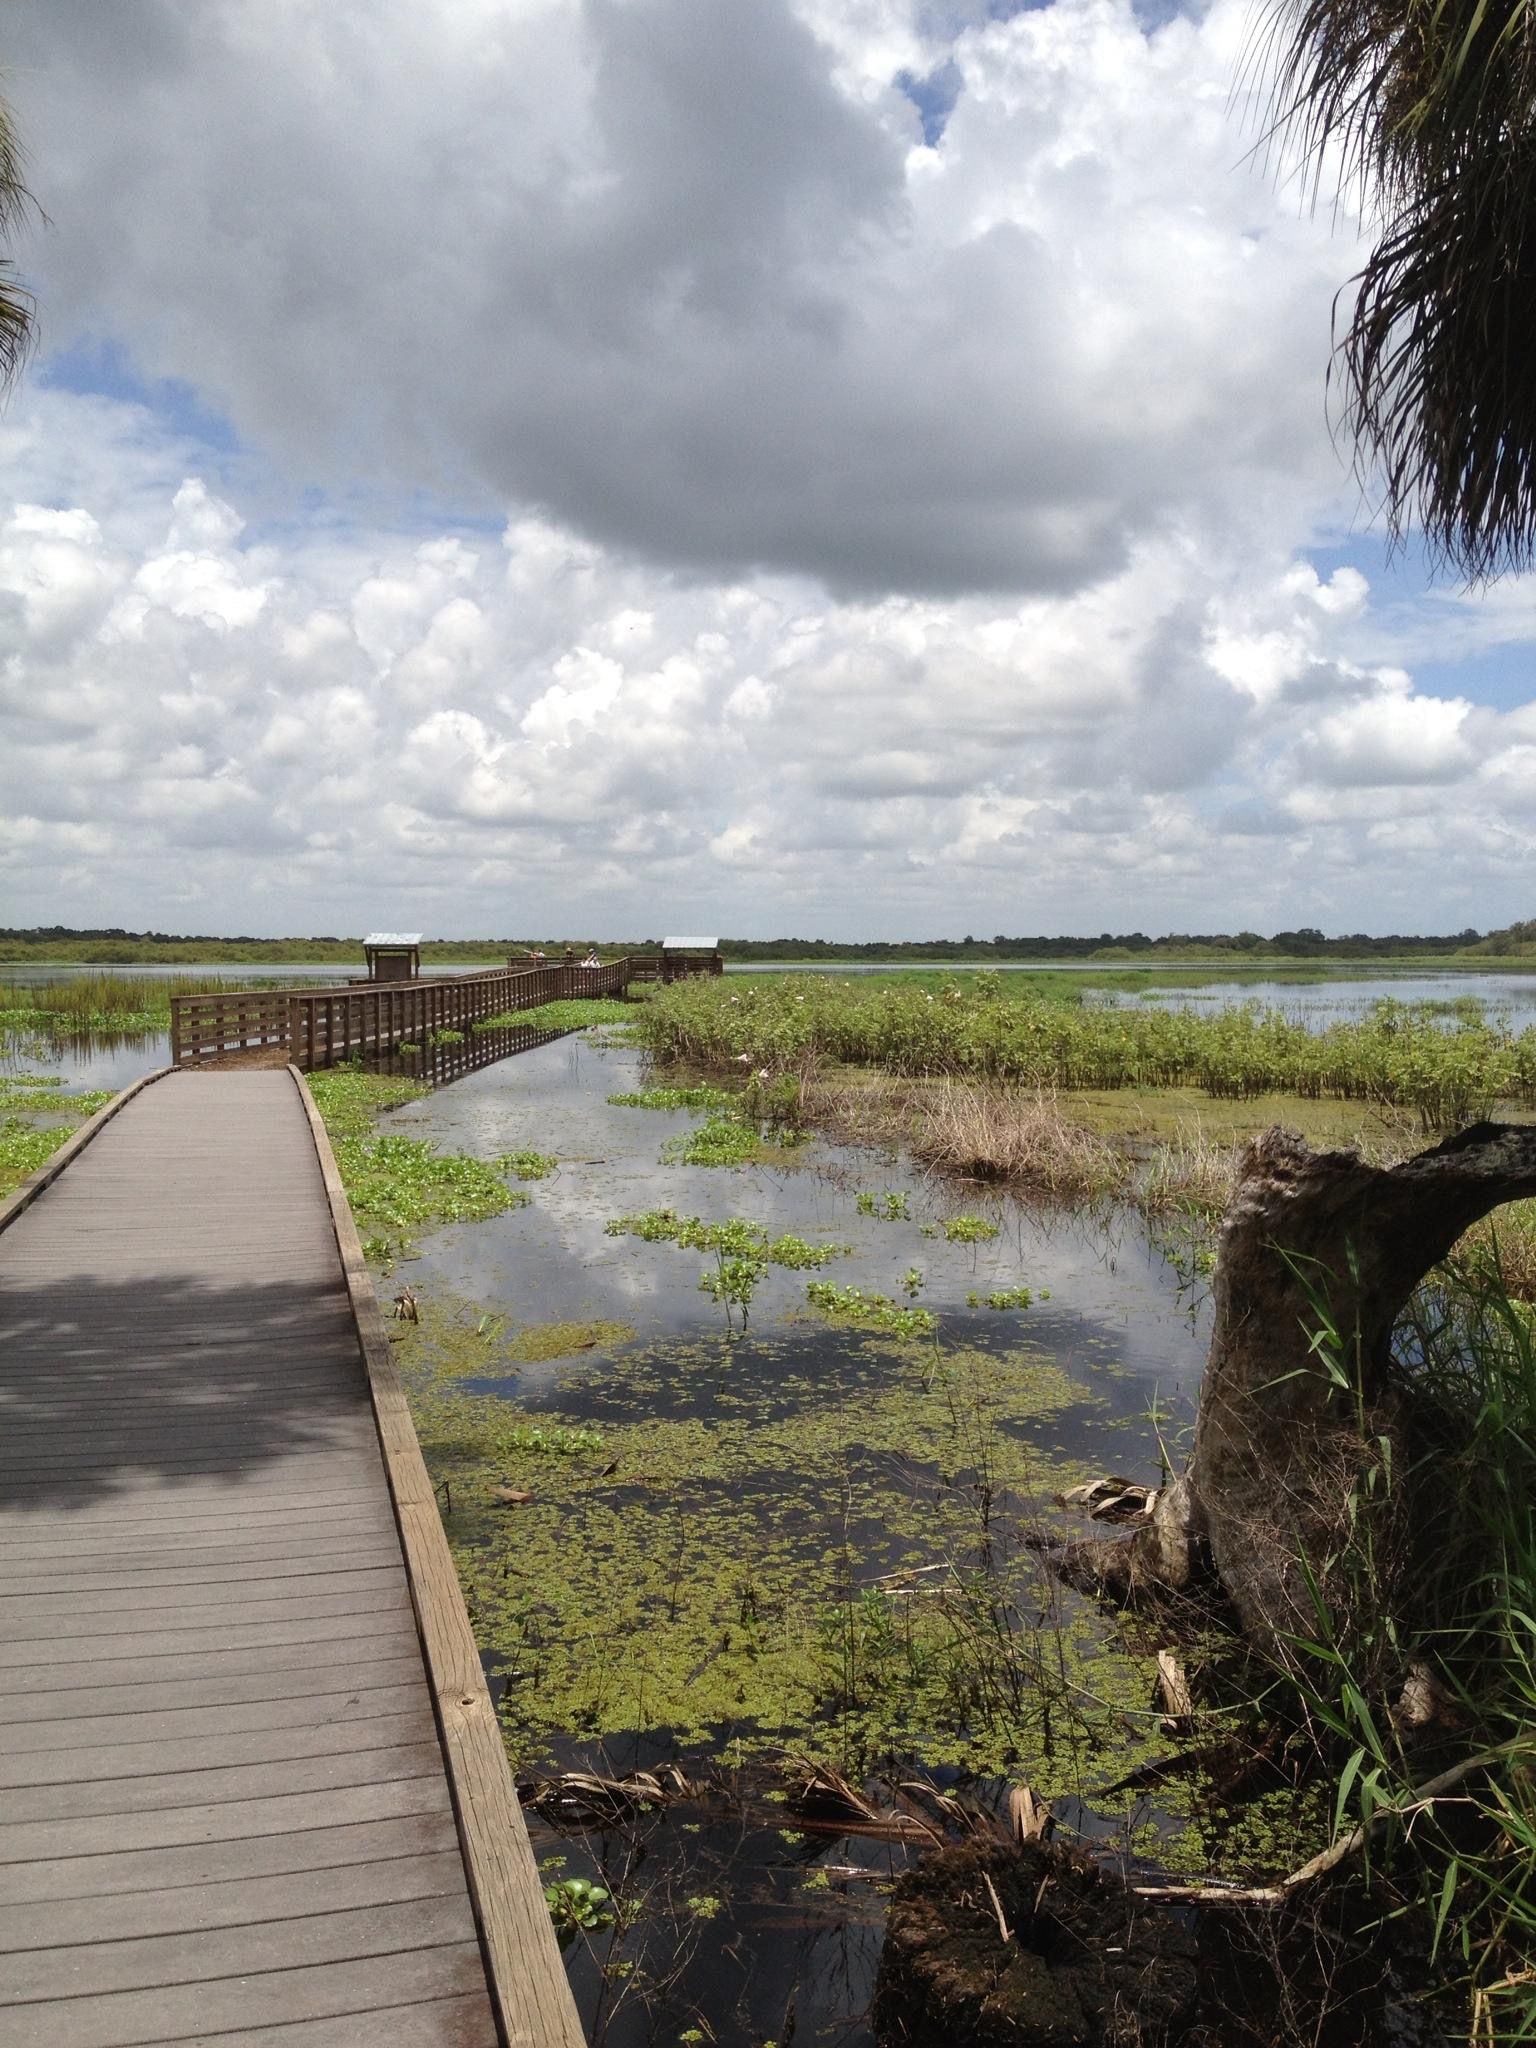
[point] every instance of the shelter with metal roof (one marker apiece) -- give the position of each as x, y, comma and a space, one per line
681, 958
393, 956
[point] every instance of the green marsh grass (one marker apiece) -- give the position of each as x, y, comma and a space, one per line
99, 1002
1446, 1074
1428, 1594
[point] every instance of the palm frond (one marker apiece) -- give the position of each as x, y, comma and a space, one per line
18, 308
1431, 106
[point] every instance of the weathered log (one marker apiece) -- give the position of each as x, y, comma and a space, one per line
1277, 1443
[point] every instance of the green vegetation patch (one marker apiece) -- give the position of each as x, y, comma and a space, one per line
970, 1230
732, 1140
674, 1098
870, 1311
24, 1148
528, 1165
1446, 1072
397, 1184
25, 1145
743, 1251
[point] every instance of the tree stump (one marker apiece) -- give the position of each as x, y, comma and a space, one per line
1277, 1442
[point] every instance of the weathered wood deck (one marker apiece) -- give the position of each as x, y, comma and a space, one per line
251, 1788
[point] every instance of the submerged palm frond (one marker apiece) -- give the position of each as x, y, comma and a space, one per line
18, 311
1431, 105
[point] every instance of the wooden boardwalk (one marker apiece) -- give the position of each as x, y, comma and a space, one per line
251, 1788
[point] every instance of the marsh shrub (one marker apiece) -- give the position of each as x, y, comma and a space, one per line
1448, 1071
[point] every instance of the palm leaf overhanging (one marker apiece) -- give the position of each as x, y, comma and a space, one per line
18, 313
1431, 106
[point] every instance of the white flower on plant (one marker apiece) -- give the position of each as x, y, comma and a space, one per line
762, 1073
744, 1059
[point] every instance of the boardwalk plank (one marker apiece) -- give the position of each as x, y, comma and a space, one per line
293, 1652
49, 1731
153, 1871
202, 2012
65, 1707
193, 1955
189, 1758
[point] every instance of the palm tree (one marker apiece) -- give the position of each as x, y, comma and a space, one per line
18, 311
1431, 106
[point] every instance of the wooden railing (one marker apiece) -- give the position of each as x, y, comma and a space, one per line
227, 1021
317, 1027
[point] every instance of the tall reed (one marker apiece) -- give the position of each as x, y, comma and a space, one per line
1445, 1071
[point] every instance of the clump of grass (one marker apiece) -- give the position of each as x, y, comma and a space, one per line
1020, 1137
100, 1002
1427, 1594
1192, 1173
1508, 1243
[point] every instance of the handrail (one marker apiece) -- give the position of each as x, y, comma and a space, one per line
315, 1027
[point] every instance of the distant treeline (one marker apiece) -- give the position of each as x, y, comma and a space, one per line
113, 946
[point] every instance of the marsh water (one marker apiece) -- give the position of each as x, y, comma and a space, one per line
734, 1488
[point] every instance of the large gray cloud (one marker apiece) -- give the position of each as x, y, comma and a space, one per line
681, 273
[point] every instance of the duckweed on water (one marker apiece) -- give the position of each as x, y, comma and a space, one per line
563, 1340
1002, 1297
889, 1208
755, 1569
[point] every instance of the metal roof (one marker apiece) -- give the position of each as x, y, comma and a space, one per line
690, 945
393, 939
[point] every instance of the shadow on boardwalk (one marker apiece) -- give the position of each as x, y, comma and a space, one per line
165, 1382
